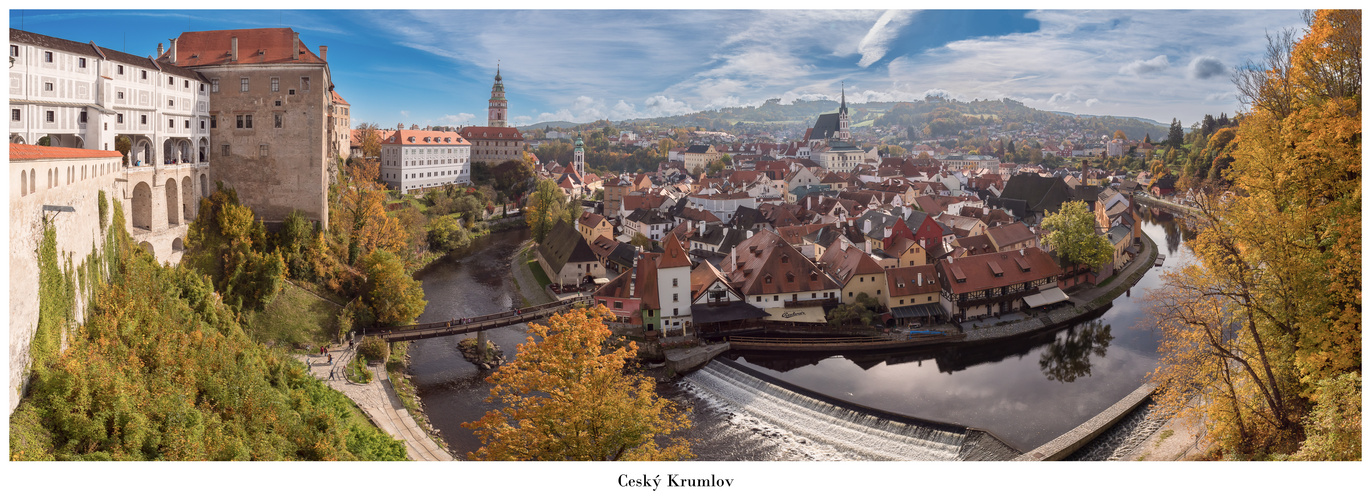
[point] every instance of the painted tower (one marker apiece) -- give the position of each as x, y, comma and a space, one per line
578, 159
499, 107
843, 121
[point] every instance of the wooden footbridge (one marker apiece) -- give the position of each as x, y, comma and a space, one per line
474, 324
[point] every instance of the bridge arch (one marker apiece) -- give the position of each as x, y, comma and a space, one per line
142, 206
187, 200
173, 215
147, 247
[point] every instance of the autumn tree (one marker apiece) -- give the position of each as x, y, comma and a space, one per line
1071, 232
229, 244
567, 396
1279, 272
393, 295
547, 205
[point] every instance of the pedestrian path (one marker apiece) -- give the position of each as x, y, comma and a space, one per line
378, 400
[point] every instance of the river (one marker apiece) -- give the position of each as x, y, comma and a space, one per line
1025, 391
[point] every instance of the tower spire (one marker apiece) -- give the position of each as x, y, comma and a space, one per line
843, 104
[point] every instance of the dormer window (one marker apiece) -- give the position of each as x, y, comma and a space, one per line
789, 278
785, 259
411, 139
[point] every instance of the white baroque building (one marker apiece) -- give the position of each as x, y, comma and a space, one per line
80, 95
420, 159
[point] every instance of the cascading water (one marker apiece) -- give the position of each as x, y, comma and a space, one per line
845, 433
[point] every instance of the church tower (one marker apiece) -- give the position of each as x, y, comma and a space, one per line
499, 107
843, 121
578, 159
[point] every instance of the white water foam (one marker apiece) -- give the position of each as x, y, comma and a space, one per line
814, 428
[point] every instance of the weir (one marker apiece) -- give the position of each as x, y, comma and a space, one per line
860, 432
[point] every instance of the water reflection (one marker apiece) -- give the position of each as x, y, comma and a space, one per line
1068, 357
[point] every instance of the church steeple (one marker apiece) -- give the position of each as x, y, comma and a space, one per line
499, 107
843, 122
578, 158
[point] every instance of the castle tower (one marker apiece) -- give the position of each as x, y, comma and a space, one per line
578, 159
499, 107
843, 121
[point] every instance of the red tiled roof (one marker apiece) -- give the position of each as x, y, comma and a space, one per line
20, 152
849, 262
766, 254
473, 133
435, 138
1009, 234
978, 274
910, 277
255, 46
338, 99
673, 253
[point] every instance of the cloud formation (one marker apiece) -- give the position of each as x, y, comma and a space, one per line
873, 45
1141, 67
1206, 67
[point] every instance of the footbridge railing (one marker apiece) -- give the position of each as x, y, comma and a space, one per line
460, 326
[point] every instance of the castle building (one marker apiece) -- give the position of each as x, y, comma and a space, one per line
270, 122
341, 140
420, 159
80, 96
497, 142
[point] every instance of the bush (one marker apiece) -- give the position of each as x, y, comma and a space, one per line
374, 349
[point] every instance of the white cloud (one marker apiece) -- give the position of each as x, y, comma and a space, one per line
1206, 67
873, 45
1141, 67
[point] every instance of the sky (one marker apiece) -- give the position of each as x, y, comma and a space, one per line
436, 67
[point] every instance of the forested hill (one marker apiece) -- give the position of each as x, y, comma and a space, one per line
931, 117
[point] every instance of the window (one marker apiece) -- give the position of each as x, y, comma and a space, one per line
144, 74
121, 69
171, 124
81, 62
14, 51
304, 84
187, 85
143, 119
213, 121
243, 84
291, 92
244, 121
214, 85
171, 103
119, 118
262, 150
278, 118
47, 56
171, 80
82, 117
674, 282
120, 95
275, 85
226, 150
675, 297
202, 124
47, 86
51, 116
202, 86
14, 115
278, 104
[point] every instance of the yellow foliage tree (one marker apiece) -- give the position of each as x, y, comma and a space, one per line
1281, 260
567, 397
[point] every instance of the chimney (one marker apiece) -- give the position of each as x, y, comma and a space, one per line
734, 256
295, 46
1021, 251
159, 49
233, 49
702, 229
323, 52
921, 279
173, 50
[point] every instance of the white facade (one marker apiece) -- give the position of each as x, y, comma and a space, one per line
416, 159
81, 96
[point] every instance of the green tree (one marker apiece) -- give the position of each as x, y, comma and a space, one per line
1071, 231
547, 205
568, 396
393, 295
1175, 137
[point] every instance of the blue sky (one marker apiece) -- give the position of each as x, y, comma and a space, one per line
435, 67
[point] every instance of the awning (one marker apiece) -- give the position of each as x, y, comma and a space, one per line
732, 311
918, 311
797, 314
601, 281
1045, 297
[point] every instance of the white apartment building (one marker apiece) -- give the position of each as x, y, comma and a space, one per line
81, 95
418, 159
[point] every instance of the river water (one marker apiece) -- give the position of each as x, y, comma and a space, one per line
1024, 391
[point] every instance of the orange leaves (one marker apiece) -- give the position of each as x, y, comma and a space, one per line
567, 397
